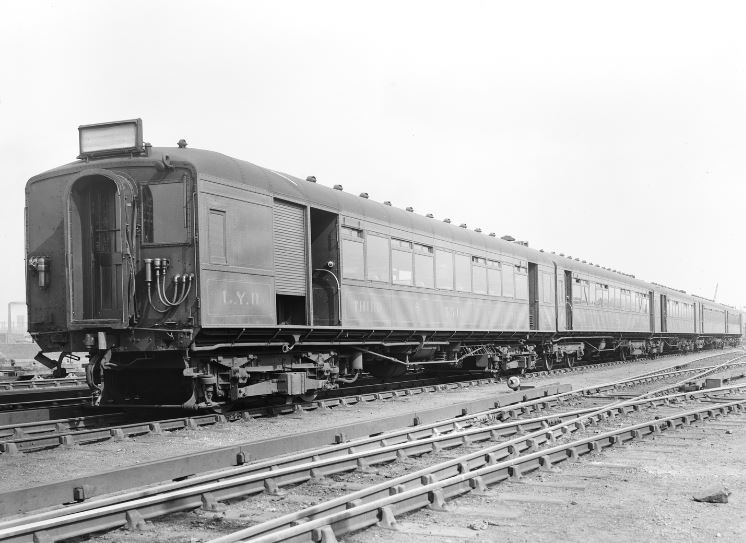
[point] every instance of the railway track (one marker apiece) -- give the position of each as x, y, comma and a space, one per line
39, 384
28, 437
493, 425
27, 400
567, 437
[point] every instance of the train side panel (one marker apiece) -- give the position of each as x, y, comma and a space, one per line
602, 306
415, 280
713, 320
680, 315
734, 322
236, 255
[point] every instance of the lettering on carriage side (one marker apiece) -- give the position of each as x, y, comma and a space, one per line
366, 306
243, 297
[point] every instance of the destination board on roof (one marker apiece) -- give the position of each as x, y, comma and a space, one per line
110, 138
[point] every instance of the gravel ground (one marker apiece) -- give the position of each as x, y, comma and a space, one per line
59, 464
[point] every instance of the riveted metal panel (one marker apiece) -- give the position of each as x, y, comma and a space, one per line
289, 225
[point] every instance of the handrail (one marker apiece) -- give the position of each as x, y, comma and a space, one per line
339, 293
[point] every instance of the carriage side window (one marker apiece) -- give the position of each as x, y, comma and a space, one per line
378, 258
494, 278
586, 292
626, 299
463, 273
353, 256
401, 261
164, 213
508, 281
479, 274
599, 298
443, 269
424, 270
617, 298
521, 281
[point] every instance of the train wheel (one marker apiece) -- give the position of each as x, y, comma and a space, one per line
308, 396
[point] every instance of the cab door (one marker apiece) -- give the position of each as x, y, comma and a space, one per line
97, 264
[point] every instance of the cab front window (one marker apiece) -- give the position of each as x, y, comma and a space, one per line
164, 218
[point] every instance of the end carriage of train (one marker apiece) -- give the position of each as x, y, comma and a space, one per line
194, 279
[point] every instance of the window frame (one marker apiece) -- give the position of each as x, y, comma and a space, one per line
398, 245
424, 251
465, 259
496, 267
184, 181
368, 236
449, 254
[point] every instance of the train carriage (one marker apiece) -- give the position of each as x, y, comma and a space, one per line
192, 278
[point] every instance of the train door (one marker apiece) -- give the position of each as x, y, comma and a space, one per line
664, 313
651, 308
559, 293
96, 267
568, 299
325, 278
291, 262
533, 296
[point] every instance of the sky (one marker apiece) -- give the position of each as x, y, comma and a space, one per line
612, 132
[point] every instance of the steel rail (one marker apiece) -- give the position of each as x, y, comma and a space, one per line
353, 514
18, 444
30, 397
68, 401
207, 490
43, 384
51, 426
81, 488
